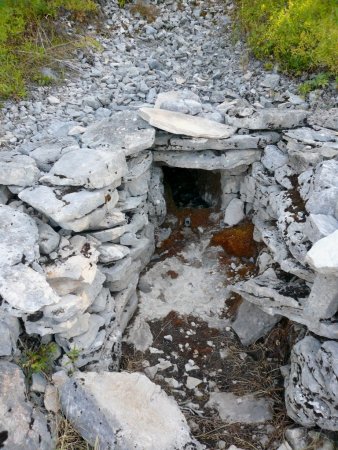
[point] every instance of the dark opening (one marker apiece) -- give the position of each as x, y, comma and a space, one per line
192, 188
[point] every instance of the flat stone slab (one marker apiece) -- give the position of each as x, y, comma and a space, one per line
93, 169
271, 119
124, 130
208, 160
65, 207
178, 123
247, 409
239, 142
124, 410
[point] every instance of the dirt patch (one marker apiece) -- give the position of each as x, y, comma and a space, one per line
187, 346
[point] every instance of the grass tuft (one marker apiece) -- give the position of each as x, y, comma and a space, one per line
32, 35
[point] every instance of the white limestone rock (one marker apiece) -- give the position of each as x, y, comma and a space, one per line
124, 130
318, 226
112, 252
9, 332
273, 158
76, 266
185, 102
323, 256
251, 323
178, 123
22, 426
270, 119
47, 151
209, 160
17, 169
18, 237
234, 213
311, 392
325, 118
93, 169
247, 409
48, 238
24, 291
125, 410
63, 207
235, 142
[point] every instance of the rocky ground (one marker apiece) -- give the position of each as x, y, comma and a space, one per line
230, 277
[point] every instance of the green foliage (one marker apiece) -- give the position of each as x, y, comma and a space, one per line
319, 82
301, 35
73, 355
29, 33
39, 360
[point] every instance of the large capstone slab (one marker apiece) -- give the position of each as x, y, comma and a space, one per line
178, 123
124, 411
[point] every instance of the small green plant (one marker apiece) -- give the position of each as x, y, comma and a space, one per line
319, 82
73, 355
39, 360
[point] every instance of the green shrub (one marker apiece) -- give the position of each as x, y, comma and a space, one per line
39, 360
301, 35
29, 35
319, 82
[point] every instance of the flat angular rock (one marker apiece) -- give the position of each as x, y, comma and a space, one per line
273, 158
318, 226
178, 123
93, 169
323, 256
17, 169
48, 238
22, 427
270, 119
247, 409
311, 391
18, 237
47, 151
9, 332
124, 410
325, 118
251, 323
208, 160
65, 207
124, 130
24, 291
239, 142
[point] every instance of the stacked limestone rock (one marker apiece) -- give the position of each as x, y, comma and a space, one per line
76, 229
292, 193
73, 251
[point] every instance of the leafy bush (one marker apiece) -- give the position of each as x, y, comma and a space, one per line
301, 35
29, 34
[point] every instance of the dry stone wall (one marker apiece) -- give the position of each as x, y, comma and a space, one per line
77, 219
